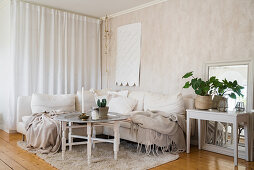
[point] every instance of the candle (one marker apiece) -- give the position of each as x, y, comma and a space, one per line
82, 100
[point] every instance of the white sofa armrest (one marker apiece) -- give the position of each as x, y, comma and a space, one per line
23, 107
189, 102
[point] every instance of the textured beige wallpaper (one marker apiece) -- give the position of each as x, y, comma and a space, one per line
180, 36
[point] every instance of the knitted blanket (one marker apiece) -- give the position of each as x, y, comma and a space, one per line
43, 133
159, 130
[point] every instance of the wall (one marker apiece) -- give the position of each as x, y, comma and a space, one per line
4, 59
180, 36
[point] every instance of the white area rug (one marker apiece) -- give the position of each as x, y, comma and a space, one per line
102, 158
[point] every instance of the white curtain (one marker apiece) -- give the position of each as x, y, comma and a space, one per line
53, 52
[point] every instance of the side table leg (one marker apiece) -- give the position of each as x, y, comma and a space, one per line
251, 118
89, 143
246, 141
199, 134
235, 138
116, 138
188, 134
70, 140
63, 139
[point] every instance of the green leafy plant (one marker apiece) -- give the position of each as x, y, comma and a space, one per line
101, 103
226, 87
200, 87
213, 86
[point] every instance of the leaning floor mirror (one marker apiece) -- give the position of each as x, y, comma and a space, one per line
220, 133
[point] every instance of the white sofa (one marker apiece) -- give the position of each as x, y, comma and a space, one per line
24, 110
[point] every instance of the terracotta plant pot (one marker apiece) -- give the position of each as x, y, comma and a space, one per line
103, 112
203, 102
216, 100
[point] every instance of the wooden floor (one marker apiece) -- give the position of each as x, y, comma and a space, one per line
12, 157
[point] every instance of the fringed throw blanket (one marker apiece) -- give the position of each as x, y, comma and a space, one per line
43, 133
159, 130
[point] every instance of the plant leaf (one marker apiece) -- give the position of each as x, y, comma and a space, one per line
98, 103
240, 87
193, 83
187, 75
232, 95
212, 79
187, 85
199, 92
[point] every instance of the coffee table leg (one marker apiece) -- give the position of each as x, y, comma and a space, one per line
94, 136
63, 139
116, 139
89, 142
70, 140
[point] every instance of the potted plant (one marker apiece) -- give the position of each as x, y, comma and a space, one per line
102, 108
223, 88
201, 88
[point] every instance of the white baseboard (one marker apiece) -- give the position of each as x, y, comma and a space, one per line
7, 130
11, 131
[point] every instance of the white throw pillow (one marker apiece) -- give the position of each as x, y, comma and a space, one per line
44, 102
122, 105
166, 103
123, 93
139, 96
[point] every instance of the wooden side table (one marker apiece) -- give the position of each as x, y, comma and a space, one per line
228, 117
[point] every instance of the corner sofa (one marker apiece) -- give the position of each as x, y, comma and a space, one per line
145, 100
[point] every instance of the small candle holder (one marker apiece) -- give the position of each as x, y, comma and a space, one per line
239, 106
83, 116
95, 115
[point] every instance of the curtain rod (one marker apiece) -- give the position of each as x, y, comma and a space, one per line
64, 10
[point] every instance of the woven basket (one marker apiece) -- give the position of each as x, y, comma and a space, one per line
203, 102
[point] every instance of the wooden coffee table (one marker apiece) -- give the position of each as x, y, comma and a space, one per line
73, 121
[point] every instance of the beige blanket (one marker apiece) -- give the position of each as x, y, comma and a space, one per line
43, 133
159, 130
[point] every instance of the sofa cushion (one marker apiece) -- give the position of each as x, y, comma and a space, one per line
26, 118
167, 103
139, 96
88, 101
125, 124
122, 105
44, 102
99, 95
99, 92
189, 101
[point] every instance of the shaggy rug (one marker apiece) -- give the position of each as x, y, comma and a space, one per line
102, 157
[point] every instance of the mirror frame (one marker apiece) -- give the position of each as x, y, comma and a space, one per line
250, 63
